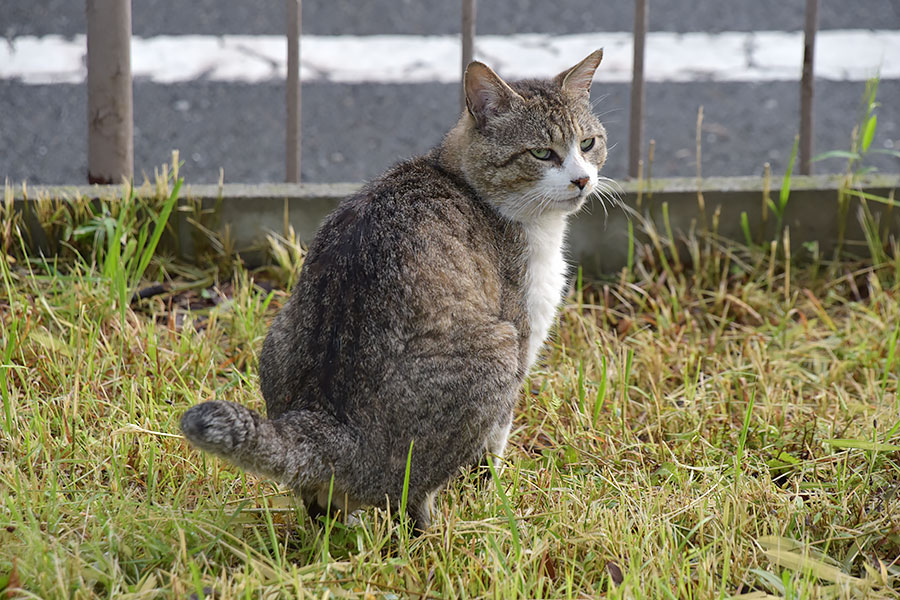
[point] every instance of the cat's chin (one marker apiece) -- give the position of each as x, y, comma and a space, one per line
555, 209
566, 206
573, 204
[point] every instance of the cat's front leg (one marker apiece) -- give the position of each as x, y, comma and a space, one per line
494, 446
420, 511
497, 437
311, 502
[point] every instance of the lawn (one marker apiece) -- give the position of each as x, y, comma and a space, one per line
726, 424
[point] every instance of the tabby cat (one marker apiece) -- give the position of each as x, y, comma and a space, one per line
422, 304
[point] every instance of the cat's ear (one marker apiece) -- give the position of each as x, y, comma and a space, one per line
486, 94
578, 78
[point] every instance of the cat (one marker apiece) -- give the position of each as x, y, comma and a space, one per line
422, 303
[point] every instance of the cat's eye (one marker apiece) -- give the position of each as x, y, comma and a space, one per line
587, 144
541, 153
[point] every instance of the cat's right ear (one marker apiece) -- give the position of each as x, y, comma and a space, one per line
486, 94
578, 78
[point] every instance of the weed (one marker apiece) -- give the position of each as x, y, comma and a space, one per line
728, 425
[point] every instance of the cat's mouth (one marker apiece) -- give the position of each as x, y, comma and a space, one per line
583, 195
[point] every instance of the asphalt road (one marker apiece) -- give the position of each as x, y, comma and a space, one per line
356, 17
351, 132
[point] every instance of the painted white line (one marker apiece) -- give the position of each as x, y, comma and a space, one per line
843, 55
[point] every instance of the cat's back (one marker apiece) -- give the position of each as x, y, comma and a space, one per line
403, 260
414, 227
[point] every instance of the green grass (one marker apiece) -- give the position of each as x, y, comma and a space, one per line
728, 429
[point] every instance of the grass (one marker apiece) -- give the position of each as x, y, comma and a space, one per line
705, 428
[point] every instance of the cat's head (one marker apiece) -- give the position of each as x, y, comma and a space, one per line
532, 147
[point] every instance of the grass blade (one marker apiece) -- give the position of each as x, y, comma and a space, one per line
862, 445
404, 497
788, 554
600, 398
162, 219
507, 510
869, 132
742, 440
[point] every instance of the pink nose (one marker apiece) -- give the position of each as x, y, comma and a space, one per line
581, 182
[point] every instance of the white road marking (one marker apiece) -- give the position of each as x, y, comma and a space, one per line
842, 55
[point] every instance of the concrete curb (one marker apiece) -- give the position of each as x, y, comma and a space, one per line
599, 241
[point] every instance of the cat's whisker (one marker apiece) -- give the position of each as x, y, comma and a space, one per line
531, 204
598, 100
539, 202
528, 202
603, 204
588, 206
611, 181
613, 201
630, 212
604, 194
609, 190
540, 206
609, 112
612, 188
615, 196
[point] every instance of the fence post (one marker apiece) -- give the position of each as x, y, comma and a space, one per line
807, 86
109, 97
292, 129
468, 45
636, 121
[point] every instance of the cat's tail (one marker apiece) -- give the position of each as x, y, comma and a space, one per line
293, 449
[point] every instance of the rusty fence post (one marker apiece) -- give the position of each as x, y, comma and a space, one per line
636, 121
468, 45
807, 86
292, 85
109, 91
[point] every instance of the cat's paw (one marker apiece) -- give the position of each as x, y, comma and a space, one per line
219, 427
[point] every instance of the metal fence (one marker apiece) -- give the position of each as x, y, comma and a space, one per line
110, 105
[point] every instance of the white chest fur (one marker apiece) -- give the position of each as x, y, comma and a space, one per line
545, 276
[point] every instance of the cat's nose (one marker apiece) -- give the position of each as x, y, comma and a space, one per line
581, 182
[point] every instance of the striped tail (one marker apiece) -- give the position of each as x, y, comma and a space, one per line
288, 449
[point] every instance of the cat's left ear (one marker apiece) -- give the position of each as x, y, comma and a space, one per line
486, 94
578, 78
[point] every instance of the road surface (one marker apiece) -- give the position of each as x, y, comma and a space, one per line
365, 109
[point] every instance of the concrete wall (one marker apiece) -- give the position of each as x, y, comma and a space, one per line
598, 240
